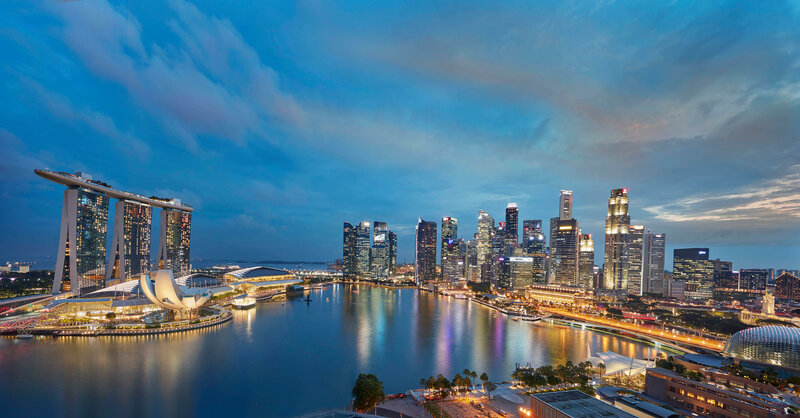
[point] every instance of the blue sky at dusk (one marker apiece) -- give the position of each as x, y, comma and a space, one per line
278, 121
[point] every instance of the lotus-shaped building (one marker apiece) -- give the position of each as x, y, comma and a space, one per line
161, 289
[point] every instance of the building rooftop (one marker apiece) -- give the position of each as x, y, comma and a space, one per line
259, 271
577, 404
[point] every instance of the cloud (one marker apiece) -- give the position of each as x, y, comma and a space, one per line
225, 100
61, 107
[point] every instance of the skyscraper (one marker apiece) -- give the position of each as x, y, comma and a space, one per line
173, 254
586, 262
564, 246
654, 247
472, 273
362, 250
392, 253
615, 272
379, 263
498, 273
484, 245
425, 252
130, 247
691, 265
636, 260
450, 251
80, 266
533, 244
565, 205
724, 278
512, 224
520, 269
349, 259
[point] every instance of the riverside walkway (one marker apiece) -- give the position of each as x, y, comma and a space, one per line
657, 335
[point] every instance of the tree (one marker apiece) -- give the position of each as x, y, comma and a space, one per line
442, 383
468, 375
490, 387
111, 315
367, 392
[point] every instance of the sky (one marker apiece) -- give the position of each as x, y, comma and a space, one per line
278, 121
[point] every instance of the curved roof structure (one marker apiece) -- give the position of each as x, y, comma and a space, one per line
68, 179
164, 292
617, 363
772, 344
259, 271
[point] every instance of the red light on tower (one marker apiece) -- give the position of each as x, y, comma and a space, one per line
625, 190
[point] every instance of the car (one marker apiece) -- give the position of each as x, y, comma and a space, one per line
390, 396
501, 412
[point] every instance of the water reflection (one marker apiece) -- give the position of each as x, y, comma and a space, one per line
266, 360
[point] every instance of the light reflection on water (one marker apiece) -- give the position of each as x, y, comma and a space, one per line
284, 359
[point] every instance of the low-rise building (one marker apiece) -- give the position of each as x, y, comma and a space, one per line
572, 404
711, 398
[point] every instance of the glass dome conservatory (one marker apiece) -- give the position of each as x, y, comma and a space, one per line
771, 344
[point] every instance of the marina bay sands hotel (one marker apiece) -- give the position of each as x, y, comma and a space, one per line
81, 260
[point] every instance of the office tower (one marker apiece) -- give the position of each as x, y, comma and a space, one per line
379, 257
691, 265
520, 268
462, 259
484, 245
130, 246
173, 254
362, 250
499, 274
473, 273
753, 279
565, 205
564, 246
425, 252
787, 286
449, 250
392, 253
636, 260
80, 265
616, 262
586, 261
654, 247
533, 244
512, 222
349, 258
723, 275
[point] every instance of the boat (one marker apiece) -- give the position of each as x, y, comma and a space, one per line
243, 302
24, 336
461, 296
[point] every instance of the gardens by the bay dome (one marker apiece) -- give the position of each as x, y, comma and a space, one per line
771, 344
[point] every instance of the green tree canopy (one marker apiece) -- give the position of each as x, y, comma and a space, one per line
368, 392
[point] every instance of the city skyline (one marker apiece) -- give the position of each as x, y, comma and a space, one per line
273, 154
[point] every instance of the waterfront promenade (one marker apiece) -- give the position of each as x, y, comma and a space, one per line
711, 344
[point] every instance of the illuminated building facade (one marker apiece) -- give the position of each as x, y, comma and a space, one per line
565, 205
499, 274
81, 259
349, 263
130, 249
471, 271
425, 252
392, 253
616, 257
653, 265
533, 244
379, 263
362, 250
484, 245
724, 276
80, 266
564, 244
753, 279
452, 262
691, 266
636, 260
512, 224
520, 270
787, 286
586, 262
176, 229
